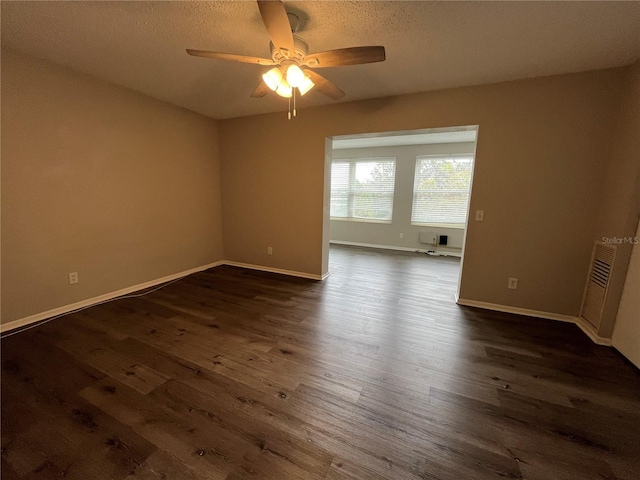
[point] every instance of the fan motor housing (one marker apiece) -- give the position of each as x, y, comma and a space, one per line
301, 49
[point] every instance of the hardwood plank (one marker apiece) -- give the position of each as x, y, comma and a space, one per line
342, 469
67, 436
384, 436
179, 430
295, 455
534, 435
374, 373
207, 456
160, 466
8, 473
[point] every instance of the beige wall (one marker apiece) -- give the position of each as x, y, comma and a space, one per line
125, 189
388, 234
272, 192
99, 180
541, 156
620, 205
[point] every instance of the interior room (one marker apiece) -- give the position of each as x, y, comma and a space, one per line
414, 159
179, 301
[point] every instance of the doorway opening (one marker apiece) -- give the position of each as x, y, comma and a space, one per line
403, 191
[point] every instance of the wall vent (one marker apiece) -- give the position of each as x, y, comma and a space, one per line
595, 292
430, 238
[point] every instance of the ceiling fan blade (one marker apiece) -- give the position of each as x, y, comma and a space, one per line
260, 91
230, 56
324, 86
345, 56
275, 19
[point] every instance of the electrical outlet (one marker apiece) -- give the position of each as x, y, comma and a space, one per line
402, 235
513, 284
269, 251
73, 278
479, 215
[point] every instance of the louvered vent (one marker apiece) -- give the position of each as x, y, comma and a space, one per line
597, 283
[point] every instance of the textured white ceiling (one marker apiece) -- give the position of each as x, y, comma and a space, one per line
430, 45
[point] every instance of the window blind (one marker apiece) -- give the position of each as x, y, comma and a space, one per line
362, 188
441, 190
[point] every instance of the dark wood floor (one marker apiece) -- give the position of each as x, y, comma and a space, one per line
372, 374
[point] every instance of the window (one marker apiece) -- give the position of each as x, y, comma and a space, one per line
441, 190
362, 189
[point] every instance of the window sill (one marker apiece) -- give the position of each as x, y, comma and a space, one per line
456, 226
360, 220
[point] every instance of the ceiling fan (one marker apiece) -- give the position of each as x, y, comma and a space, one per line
290, 58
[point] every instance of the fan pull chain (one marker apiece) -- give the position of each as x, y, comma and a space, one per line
294, 102
289, 115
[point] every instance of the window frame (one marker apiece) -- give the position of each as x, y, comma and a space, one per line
351, 194
460, 226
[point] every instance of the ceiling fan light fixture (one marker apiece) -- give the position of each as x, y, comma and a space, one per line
295, 76
273, 78
305, 85
284, 89
290, 55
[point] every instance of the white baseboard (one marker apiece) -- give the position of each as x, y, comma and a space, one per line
21, 322
262, 268
518, 311
443, 253
591, 332
582, 324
